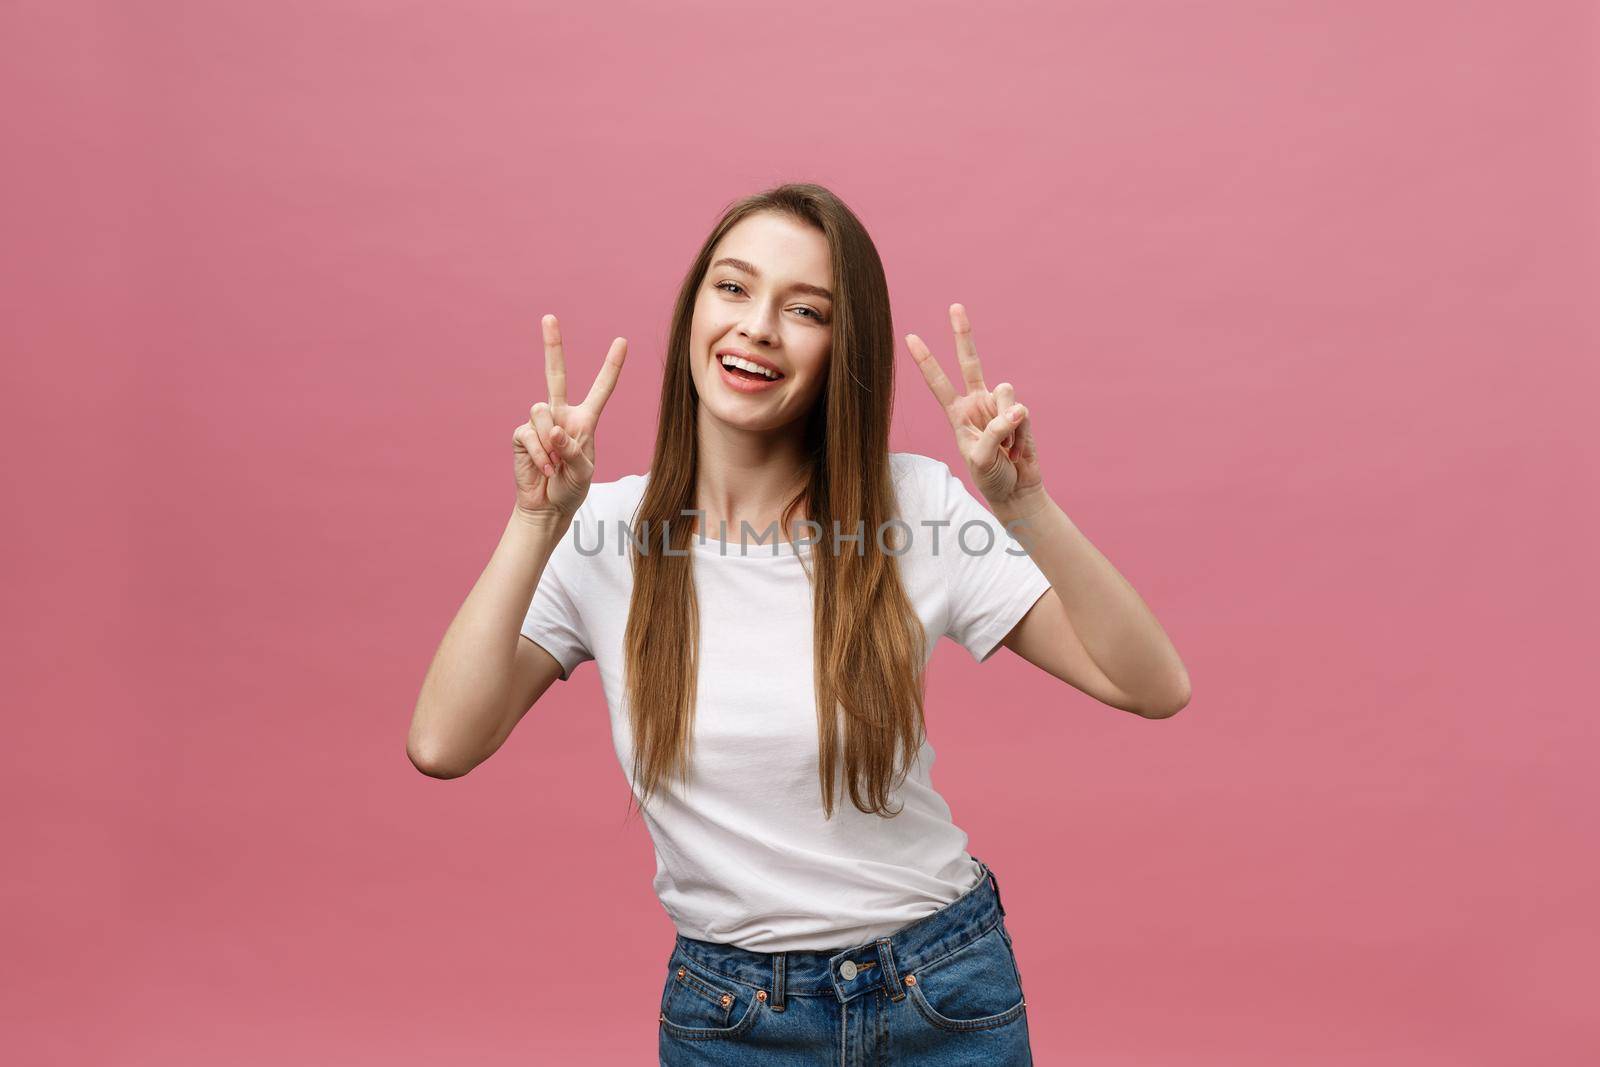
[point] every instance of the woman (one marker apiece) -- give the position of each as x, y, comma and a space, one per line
761, 605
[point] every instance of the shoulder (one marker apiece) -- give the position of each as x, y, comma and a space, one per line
615, 499
597, 528
916, 466
919, 477
605, 512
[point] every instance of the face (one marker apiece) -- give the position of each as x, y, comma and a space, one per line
767, 307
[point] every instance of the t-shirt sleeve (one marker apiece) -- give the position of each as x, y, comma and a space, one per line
553, 621
992, 582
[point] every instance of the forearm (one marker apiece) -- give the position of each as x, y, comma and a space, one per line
1119, 632
467, 688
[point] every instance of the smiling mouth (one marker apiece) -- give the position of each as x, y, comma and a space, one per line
747, 370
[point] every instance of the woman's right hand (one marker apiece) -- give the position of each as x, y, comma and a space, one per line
553, 452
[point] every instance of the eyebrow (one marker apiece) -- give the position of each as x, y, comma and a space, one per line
750, 269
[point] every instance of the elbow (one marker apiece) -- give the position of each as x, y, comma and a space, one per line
1169, 705
433, 761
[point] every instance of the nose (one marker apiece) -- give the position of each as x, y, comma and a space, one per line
758, 327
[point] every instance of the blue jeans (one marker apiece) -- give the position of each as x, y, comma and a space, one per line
941, 991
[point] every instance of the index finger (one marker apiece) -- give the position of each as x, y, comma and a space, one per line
932, 373
966, 351
555, 363
606, 380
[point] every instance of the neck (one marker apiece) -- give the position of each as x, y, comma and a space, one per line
746, 476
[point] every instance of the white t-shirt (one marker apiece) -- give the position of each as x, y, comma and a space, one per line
744, 855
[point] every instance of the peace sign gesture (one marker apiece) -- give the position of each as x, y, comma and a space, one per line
553, 455
992, 429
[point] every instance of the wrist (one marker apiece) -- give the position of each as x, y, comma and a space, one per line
1022, 506
553, 523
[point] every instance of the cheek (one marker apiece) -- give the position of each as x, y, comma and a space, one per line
704, 316
819, 364
817, 376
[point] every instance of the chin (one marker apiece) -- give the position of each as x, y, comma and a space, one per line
744, 420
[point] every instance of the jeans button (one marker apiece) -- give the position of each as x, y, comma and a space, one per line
848, 970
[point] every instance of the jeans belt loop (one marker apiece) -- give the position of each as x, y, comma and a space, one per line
995, 882
778, 959
891, 974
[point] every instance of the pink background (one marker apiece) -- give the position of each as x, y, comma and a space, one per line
1300, 296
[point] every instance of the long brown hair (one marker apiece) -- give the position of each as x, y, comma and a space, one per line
868, 639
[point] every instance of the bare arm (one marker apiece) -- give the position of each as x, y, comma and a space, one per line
485, 675
1109, 644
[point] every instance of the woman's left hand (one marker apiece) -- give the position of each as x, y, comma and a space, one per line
992, 429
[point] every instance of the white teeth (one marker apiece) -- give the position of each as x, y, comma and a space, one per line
745, 364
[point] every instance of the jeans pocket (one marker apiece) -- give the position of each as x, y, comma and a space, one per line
698, 1004
976, 987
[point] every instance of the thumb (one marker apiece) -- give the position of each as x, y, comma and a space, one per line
572, 455
1005, 395
986, 452
565, 444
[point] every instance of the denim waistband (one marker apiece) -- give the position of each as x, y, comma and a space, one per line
851, 972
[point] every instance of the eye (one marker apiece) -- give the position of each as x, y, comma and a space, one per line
814, 312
